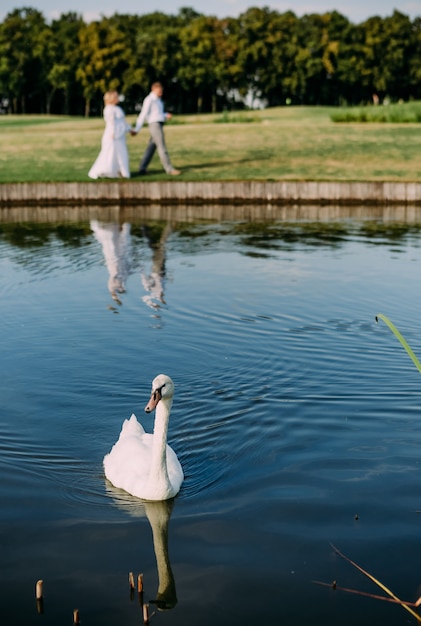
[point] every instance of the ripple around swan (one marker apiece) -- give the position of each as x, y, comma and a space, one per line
101, 501
23, 454
78, 483
243, 423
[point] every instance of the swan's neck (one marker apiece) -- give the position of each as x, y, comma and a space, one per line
158, 472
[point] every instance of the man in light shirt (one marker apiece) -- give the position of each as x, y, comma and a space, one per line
153, 113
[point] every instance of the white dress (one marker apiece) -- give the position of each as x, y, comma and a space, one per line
113, 160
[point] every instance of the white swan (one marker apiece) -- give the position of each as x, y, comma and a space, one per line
142, 464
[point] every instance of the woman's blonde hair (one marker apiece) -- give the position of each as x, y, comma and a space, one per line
110, 97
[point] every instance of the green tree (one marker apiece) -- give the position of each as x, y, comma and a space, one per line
23, 34
255, 50
154, 58
382, 52
208, 60
316, 59
103, 60
66, 56
399, 48
279, 75
414, 66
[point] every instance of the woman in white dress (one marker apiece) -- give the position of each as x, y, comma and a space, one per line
113, 160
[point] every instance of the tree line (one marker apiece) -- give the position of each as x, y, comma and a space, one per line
205, 63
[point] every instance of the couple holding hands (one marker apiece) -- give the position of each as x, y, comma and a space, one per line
113, 160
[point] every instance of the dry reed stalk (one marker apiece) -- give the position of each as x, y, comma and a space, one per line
390, 593
38, 589
366, 594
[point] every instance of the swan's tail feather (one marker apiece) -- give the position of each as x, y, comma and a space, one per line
132, 427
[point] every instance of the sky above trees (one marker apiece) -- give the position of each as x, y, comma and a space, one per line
354, 10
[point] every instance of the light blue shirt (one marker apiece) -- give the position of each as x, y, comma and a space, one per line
152, 111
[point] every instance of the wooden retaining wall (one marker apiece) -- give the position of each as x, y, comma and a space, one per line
139, 214
223, 192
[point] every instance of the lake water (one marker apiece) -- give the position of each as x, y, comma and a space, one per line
296, 417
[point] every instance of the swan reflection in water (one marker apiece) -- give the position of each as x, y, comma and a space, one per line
116, 246
158, 514
116, 243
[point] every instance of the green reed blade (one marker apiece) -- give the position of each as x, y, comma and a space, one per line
403, 341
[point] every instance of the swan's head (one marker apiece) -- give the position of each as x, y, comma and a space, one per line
162, 388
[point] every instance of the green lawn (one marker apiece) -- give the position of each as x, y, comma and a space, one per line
289, 143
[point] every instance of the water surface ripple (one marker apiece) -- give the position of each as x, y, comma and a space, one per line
296, 417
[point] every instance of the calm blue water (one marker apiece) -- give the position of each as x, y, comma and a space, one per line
294, 414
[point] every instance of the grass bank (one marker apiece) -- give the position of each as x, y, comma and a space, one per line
289, 143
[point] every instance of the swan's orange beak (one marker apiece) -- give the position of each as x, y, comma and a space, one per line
154, 399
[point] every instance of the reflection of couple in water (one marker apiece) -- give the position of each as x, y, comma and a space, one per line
117, 249
116, 244
113, 159
154, 282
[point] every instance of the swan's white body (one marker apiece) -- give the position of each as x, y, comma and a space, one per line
142, 464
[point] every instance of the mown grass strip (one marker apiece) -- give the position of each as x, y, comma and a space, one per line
280, 144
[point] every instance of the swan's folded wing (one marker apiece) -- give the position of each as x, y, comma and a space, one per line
175, 471
127, 464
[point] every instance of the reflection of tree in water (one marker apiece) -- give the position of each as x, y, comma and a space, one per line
29, 235
388, 232
285, 235
33, 245
154, 282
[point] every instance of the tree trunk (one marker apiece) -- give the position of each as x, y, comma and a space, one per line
87, 107
49, 99
214, 103
66, 102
